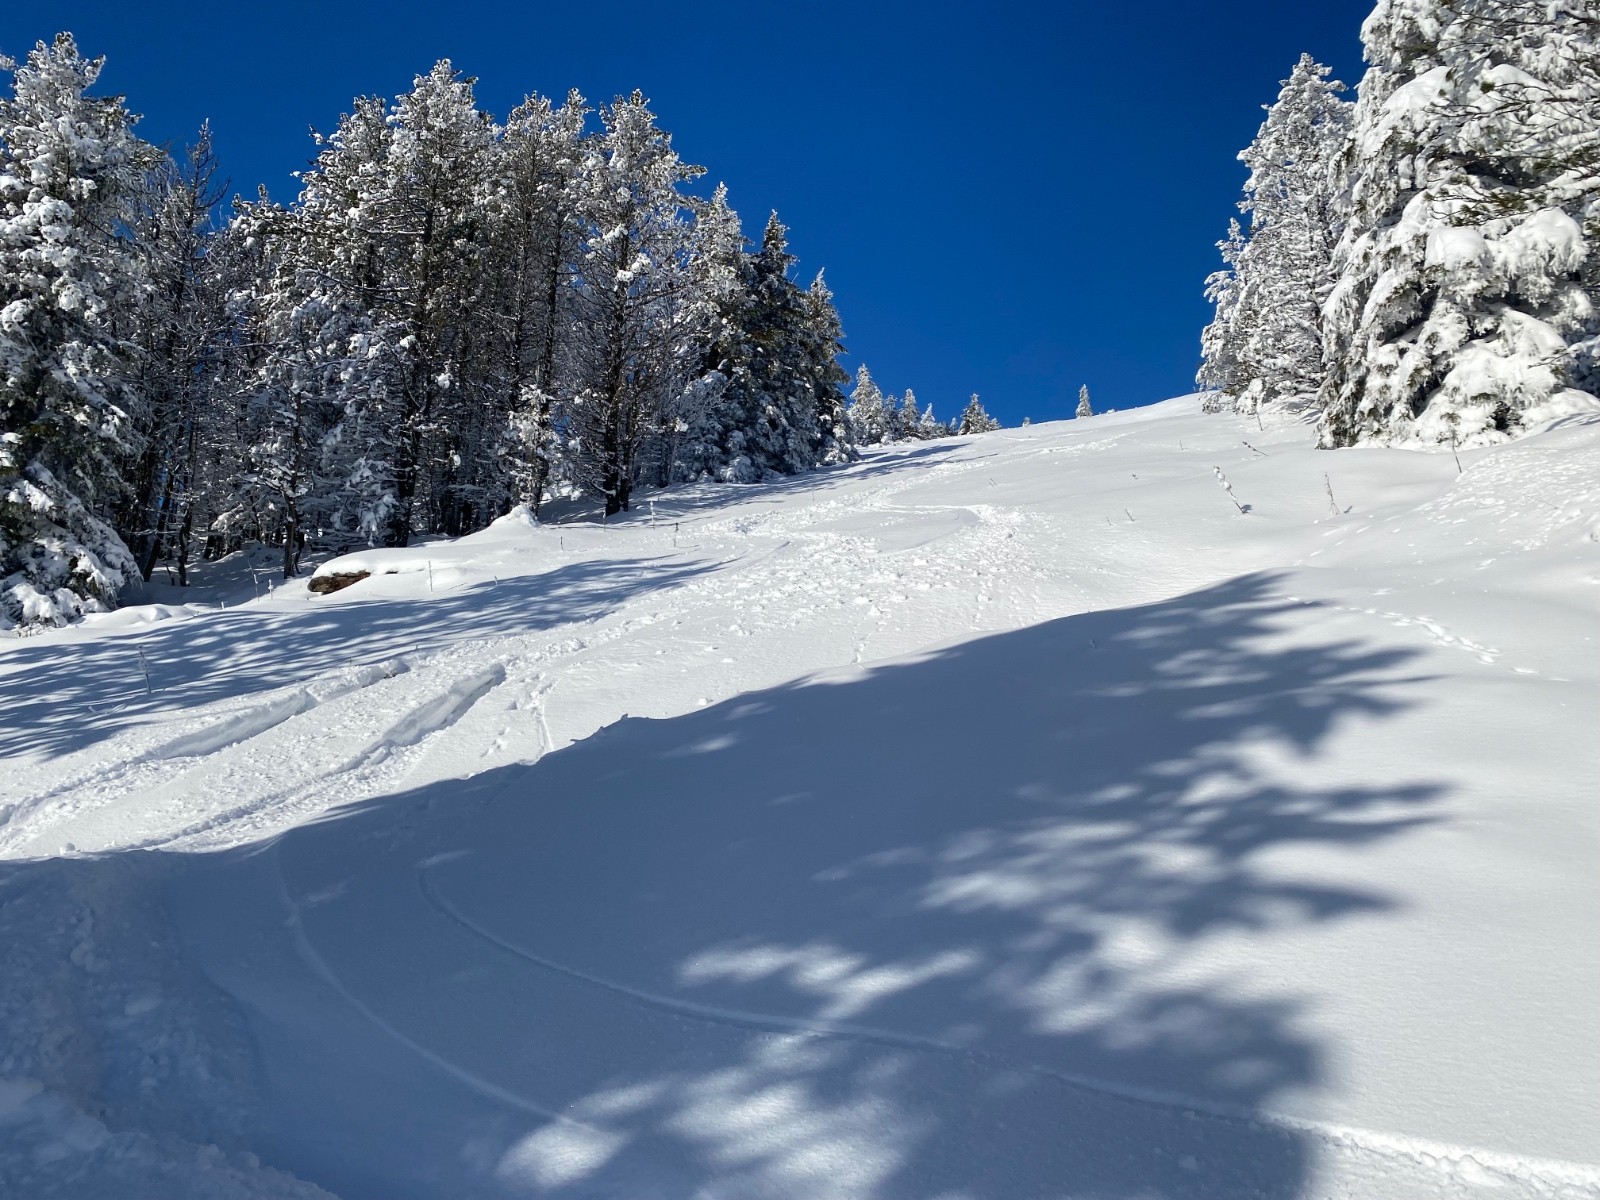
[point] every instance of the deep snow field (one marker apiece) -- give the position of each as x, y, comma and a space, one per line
1001, 817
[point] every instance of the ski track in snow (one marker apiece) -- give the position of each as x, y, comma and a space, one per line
319, 966
1477, 1164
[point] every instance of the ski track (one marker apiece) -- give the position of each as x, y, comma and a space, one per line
280, 787
320, 968
147, 764
1472, 1162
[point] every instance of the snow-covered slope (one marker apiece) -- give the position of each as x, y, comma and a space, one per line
1008, 816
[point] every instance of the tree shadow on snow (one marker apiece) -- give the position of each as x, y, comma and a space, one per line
932, 929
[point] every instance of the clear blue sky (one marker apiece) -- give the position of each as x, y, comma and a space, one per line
1011, 199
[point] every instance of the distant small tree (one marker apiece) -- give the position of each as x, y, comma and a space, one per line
868, 415
825, 344
910, 416
974, 419
1085, 409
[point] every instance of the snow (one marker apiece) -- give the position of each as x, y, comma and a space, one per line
1455, 248
1000, 816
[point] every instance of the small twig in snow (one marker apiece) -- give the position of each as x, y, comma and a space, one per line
1454, 421
1248, 446
1228, 487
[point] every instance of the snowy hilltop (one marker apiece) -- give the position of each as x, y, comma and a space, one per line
1142, 805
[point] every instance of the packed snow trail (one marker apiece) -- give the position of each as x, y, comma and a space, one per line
999, 817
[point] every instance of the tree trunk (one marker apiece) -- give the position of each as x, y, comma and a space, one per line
291, 542
185, 528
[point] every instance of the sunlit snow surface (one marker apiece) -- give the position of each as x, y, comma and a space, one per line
1000, 817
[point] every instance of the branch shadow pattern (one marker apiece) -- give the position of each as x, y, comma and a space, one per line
925, 929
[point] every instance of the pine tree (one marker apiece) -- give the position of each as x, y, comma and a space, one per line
1220, 371
868, 414
1085, 409
1461, 313
305, 400
910, 416
1265, 343
824, 337
637, 311
893, 412
974, 419
178, 335
770, 406
72, 177
699, 423
391, 239
432, 222
533, 236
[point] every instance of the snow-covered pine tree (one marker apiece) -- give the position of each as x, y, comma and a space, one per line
910, 415
72, 177
1461, 313
769, 398
179, 332
974, 419
824, 344
1265, 344
929, 426
1220, 372
533, 241
637, 336
323, 338
694, 441
893, 426
867, 414
1085, 409
299, 386
433, 222
392, 228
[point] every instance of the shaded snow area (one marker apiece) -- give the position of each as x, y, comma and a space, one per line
995, 818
